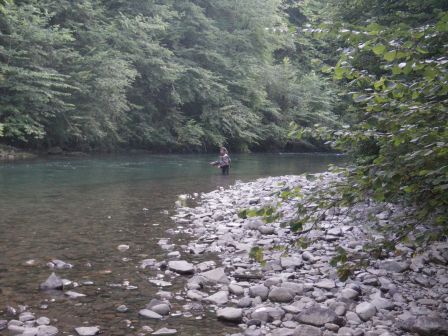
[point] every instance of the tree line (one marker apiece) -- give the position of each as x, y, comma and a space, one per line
176, 75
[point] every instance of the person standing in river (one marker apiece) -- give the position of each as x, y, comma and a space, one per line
223, 162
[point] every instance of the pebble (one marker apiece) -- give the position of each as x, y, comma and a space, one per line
165, 332
87, 331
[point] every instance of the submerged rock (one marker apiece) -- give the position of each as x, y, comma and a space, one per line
52, 282
123, 247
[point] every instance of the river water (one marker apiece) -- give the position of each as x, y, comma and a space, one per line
80, 210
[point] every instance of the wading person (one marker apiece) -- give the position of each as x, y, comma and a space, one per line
223, 162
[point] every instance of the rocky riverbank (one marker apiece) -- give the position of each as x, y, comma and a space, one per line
295, 291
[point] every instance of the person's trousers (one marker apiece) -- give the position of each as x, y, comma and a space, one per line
225, 170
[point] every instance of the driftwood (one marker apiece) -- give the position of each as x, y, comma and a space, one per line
239, 276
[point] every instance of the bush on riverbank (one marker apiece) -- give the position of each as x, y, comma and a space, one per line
397, 75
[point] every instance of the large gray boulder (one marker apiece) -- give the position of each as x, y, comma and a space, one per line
317, 316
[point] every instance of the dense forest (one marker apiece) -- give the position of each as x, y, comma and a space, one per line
184, 75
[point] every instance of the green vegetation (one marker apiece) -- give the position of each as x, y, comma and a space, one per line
184, 75
394, 66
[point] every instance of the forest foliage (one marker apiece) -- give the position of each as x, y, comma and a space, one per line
177, 75
393, 66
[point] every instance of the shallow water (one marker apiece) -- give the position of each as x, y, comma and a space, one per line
80, 210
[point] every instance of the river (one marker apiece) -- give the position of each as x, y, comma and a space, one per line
80, 210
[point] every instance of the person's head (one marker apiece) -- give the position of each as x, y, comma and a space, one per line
223, 151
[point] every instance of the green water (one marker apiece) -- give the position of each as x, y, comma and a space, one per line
80, 210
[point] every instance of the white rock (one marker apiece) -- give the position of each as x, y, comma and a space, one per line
87, 331
123, 247
74, 295
165, 332
150, 314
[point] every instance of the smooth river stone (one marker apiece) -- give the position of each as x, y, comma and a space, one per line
325, 284
259, 290
150, 314
220, 298
365, 310
181, 267
230, 314
165, 332
87, 331
280, 294
216, 275
317, 316
46, 330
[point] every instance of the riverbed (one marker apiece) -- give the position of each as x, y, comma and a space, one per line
80, 210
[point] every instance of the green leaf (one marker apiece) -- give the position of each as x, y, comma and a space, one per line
339, 72
442, 26
326, 69
257, 254
379, 49
390, 55
430, 73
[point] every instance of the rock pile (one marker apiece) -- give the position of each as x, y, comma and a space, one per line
295, 291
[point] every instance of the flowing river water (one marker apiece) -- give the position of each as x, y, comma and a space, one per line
80, 210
